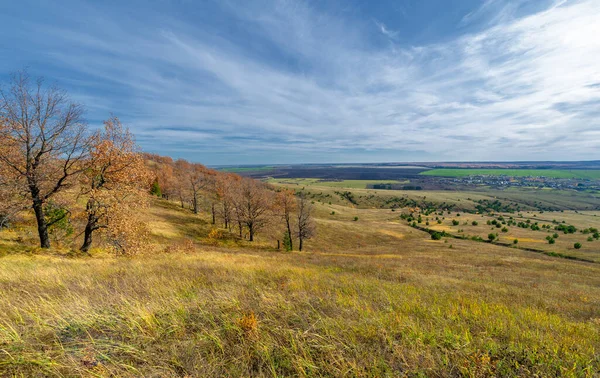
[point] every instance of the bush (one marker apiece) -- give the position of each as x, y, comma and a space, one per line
287, 242
516, 241
155, 190
491, 237
455, 222
504, 229
436, 236
577, 245
355, 219
474, 223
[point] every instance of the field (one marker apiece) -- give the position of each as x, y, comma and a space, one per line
550, 173
351, 184
371, 296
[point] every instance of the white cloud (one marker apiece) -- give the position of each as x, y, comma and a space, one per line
523, 88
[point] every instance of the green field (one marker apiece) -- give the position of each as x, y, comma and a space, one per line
551, 173
350, 184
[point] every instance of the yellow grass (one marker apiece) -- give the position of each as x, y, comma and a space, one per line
372, 297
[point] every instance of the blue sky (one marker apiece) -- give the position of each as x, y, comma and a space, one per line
293, 81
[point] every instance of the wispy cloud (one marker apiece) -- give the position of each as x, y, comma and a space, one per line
385, 31
296, 83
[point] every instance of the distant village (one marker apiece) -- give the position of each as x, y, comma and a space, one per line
501, 182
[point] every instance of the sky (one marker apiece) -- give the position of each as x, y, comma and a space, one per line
324, 81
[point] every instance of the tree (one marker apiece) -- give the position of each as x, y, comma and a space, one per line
305, 225
45, 139
286, 204
577, 245
198, 180
253, 204
115, 180
491, 237
11, 202
224, 185
181, 171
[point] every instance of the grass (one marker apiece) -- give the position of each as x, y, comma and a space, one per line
550, 173
322, 315
372, 297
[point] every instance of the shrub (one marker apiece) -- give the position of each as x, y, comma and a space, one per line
287, 242
577, 245
516, 241
155, 190
455, 222
436, 236
474, 223
355, 219
491, 237
504, 229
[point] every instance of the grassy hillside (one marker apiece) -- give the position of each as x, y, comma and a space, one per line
371, 297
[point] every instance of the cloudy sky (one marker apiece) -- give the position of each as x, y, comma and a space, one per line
299, 81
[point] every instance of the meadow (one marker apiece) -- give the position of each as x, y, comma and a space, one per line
371, 296
591, 174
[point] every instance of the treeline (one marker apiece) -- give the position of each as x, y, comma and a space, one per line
79, 182
239, 204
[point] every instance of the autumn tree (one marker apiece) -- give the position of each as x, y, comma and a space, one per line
224, 191
305, 228
199, 178
11, 200
285, 205
46, 139
253, 204
115, 180
181, 171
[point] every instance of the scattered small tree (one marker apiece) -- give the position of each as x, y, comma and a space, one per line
305, 225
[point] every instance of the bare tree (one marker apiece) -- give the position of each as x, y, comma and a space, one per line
253, 204
199, 178
305, 226
286, 204
46, 137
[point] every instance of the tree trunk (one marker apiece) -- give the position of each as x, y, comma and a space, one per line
87, 234
87, 238
251, 232
240, 228
195, 204
42, 226
214, 218
300, 244
289, 231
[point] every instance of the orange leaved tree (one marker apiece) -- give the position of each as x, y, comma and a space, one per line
115, 181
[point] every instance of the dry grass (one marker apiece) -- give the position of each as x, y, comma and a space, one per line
363, 302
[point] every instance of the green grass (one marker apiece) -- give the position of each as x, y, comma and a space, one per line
552, 173
349, 184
